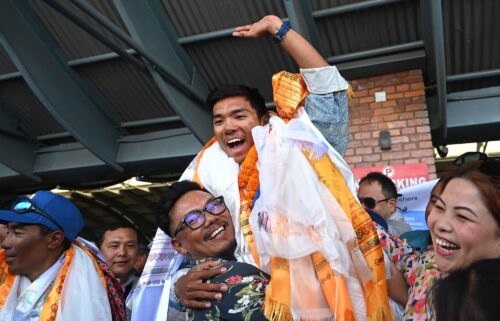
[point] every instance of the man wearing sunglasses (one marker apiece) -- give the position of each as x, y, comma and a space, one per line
201, 228
46, 273
378, 193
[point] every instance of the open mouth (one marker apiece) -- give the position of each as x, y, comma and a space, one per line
218, 231
235, 143
446, 247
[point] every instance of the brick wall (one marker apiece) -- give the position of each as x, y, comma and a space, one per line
403, 114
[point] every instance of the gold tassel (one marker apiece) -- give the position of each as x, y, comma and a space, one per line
275, 311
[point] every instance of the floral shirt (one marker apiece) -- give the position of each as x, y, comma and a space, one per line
420, 271
243, 299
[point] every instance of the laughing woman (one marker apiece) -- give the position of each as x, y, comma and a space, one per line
465, 227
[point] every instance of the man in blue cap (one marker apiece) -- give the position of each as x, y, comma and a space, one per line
45, 273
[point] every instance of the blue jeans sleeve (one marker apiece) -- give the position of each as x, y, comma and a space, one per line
329, 114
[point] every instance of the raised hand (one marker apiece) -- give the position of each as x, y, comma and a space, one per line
268, 25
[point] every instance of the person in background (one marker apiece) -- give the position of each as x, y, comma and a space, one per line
378, 193
469, 294
120, 247
46, 273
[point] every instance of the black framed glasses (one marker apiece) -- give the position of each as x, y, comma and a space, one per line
25, 205
196, 218
370, 202
489, 166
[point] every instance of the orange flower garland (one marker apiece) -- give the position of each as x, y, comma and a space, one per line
248, 184
248, 178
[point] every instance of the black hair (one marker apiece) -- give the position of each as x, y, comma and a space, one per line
388, 188
170, 197
113, 227
469, 294
251, 94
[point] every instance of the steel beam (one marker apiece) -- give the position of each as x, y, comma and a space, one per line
474, 75
480, 115
376, 52
165, 152
62, 92
300, 14
433, 34
148, 24
361, 5
129, 124
16, 152
18, 155
382, 65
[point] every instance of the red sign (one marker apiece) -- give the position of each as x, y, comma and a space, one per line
402, 175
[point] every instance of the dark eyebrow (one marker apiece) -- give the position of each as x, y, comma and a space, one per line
232, 113
466, 209
15, 225
438, 198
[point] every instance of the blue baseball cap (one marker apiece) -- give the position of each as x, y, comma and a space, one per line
51, 210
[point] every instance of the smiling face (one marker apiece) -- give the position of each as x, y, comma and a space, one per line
214, 239
120, 248
233, 119
27, 250
462, 228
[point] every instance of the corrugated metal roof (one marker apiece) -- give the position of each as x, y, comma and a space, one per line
230, 60
6, 64
130, 93
75, 42
200, 16
372, 28
17, 97
472, 40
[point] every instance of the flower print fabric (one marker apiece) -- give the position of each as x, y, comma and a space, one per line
420, 271
243, 299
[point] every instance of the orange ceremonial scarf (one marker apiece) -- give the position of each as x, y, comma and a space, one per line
289, 91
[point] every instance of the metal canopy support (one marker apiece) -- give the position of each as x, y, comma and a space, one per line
382, 65
17, 153
165, 152
300, 14
150, 26
433, 34
40, 60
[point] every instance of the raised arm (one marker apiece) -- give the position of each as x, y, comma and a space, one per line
326, 104
304, 54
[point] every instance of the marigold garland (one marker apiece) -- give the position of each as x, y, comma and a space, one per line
248, 178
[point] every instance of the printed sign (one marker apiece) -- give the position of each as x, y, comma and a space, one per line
412, 181
403, 175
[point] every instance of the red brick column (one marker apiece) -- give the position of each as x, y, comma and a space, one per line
403, 114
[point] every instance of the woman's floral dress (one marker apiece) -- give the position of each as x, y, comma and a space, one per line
420, 271
243, 299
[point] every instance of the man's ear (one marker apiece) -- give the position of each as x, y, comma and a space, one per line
178, 247
55, 239
392, 204
264, 119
